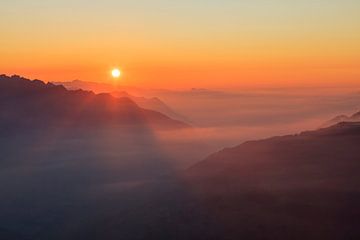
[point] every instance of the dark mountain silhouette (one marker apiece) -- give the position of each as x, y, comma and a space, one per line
73, 158
26, 103
303, 186
342, 118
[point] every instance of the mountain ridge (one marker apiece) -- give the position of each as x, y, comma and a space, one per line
22, 98
152, 103
301, 186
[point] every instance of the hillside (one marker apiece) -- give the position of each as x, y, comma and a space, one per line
27, 103
303, 186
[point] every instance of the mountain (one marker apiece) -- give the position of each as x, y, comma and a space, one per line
342, 118
28, 104
68, 158
152, 103
303, 186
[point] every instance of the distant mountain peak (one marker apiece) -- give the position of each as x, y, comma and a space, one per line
342, 118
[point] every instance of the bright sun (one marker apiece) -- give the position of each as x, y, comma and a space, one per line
116, 73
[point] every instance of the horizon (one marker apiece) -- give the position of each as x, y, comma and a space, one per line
179, 120
229, 44
118, 84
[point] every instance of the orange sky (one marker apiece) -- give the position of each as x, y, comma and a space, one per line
159, 44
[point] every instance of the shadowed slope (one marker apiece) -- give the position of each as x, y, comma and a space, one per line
70, 157
26, 103
303, 186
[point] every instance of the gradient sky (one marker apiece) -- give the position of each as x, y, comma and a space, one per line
188, 43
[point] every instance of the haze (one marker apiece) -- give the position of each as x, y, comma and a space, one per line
179, 120
167, 44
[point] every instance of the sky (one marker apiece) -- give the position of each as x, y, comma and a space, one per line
182, 44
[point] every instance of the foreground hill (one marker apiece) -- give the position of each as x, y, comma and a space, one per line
303, 186
68, 158
26, 103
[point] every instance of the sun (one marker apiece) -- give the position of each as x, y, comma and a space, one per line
116, 73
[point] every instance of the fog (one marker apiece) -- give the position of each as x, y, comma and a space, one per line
58, 183
223, 118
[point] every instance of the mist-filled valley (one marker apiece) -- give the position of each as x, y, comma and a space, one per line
227, 117
179, 120
82, 165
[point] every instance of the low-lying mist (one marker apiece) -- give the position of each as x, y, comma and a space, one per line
222, 119
60, 181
